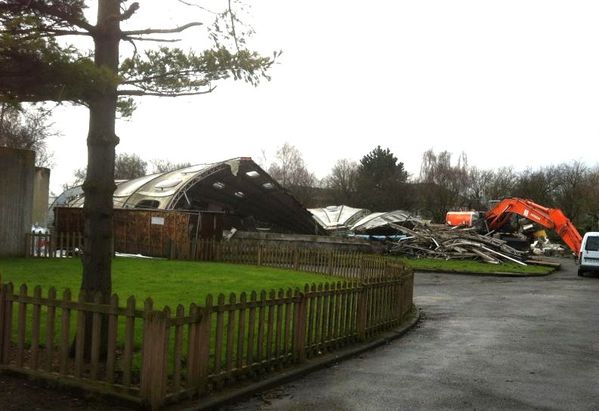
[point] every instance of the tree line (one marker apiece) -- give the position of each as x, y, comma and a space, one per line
379, 182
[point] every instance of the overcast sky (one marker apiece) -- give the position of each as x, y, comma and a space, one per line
511, 83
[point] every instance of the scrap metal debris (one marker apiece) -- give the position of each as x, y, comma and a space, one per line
384, 223
445, 242
542, 246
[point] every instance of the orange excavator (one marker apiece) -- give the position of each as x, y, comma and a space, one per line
551, 218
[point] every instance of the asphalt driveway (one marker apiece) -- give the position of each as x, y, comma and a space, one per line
484, 343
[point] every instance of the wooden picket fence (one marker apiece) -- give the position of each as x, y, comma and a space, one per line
154, 357
347, 264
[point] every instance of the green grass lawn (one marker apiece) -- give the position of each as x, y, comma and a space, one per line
474, 267
166, 282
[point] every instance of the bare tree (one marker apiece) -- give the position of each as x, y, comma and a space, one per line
591, 200
501, 184
289, 169
537, 185
478, 187
26, 129
126, 167
164, 166
571, 188
445, 185
79, 176
129, 166
342, 181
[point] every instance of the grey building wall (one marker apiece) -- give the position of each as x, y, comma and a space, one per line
16, 199
41, 188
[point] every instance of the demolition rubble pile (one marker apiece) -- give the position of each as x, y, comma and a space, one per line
444, 242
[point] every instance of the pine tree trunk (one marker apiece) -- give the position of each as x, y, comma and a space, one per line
101, 141
99, 187
99, 182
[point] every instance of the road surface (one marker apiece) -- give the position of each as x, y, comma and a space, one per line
484, 343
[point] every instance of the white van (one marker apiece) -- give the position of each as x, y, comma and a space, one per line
589, 253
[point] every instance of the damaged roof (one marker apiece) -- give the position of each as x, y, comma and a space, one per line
339, 217
237, 186
380, 221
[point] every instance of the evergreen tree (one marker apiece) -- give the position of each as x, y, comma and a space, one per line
37, 64
381, 181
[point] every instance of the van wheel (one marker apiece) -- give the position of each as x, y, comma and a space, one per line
580, 272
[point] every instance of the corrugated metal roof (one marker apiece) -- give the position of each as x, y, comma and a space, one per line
337, 217
237, 186
376, 220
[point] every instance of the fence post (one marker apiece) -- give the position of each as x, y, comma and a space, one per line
204, 342
296, 258
153, 368
193, 359
6, 326
300, 329
361, 312
218, 250
2, 319
361, 268
259, 254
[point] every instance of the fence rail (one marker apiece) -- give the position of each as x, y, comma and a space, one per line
155, 357
350, 265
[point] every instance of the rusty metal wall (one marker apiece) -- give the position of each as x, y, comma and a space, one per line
16, 199
68, 220
148, 232
41, 187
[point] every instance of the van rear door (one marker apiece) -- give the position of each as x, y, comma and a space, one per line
590, 251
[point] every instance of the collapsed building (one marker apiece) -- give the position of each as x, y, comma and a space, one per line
165, 214
338, 219
385, 223
247, 197
345, 220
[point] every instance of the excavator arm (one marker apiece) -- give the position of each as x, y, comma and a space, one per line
551, 218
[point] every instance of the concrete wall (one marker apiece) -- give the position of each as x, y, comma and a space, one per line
41, 187
16, 199
307, 241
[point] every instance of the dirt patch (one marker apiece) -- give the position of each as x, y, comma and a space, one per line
19, 393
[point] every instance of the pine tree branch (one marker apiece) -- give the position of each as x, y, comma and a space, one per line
132, 38
177, 73
130, 11
52, 11
198, 6
161, 31
163, 94
47, 32
233, 26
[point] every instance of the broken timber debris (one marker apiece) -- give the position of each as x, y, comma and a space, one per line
445, 242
